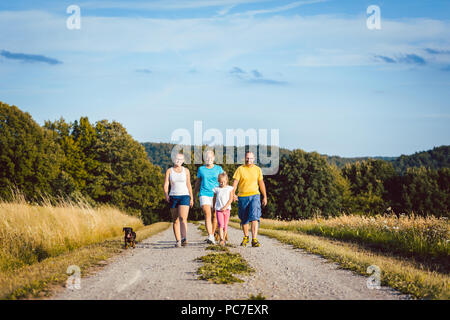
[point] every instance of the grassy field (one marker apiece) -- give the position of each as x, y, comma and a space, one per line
425, 240
38, 243
412, 252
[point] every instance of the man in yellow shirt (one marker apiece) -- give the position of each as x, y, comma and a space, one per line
247, 179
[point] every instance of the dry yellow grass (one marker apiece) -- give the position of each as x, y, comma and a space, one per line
425, 239
413, 235
37, 279
31, 233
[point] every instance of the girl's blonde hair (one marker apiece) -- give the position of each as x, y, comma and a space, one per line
223, 174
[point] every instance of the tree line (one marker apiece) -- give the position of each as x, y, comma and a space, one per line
437, 158
101, 163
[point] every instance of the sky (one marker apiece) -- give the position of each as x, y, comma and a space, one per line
311, 69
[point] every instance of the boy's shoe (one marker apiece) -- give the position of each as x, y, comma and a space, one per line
244, 241
178, 244
255, 243
184, 242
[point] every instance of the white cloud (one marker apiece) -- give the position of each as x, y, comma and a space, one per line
286, 7
321, 40
166, 4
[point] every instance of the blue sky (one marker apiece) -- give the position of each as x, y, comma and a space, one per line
310, 68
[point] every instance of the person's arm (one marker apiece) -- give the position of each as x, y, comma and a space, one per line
262, 187
166, 185
235, 184
214, 201
230, 200
236, 177
198, 183
188, 183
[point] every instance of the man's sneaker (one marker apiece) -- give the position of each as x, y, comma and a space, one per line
244, 241
184, 242
255, 243
178, 244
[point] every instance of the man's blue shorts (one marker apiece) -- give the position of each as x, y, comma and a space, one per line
249, 208
175, 201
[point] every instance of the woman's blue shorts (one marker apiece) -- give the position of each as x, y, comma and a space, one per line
175, 201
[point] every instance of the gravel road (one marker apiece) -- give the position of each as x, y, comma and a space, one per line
158, 270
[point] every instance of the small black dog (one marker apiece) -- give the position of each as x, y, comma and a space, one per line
130, 237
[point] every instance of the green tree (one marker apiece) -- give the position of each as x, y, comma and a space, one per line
367, 184
124, 176
421, 190
30, 159
305, 186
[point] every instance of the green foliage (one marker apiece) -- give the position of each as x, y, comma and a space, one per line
367, 181
221, 267
341, 162
30, 160
437, 158
305, 186
159, 154
421, 190
259, 296
102, 163
124, 176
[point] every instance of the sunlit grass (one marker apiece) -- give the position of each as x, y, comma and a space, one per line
222, 267
329, 238
30, 233
425, 239
39, 278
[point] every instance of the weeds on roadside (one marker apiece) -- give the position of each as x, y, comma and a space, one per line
423, 239
259, 296
221, 267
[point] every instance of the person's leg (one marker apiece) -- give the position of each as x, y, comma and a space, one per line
254, 216
214, 221
226, 218
245, 229
243, 205
254, 229
220, 221
176, 223
208, 225
183, 212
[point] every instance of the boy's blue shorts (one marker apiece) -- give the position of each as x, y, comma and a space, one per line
175, 201
249, 208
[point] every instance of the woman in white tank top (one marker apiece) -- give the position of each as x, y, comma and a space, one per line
179, 198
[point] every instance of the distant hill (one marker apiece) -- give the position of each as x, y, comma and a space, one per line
340, 162
159, 154
436, 158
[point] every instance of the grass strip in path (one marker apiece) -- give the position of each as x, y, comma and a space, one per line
36, 280
221, 267
396, 273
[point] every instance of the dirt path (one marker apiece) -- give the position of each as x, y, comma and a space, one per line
158, 270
